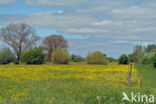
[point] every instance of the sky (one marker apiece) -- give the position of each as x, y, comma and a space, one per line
111, 26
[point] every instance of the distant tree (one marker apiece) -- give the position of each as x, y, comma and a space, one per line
138, 48
154, 61
150, 48
130, 57
19, 37
110, 59
137, 55
145, 55
149, 58
77, 58
123, 59
53, 42
33, 56
60, 56
96, 58
6, 56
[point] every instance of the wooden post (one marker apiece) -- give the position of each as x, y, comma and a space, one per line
129, 79
131, 65
129, 75
139, 82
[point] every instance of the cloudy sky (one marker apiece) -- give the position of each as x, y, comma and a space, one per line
111, 26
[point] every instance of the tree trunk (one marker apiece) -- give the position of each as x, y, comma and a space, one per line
49, 55
18, 57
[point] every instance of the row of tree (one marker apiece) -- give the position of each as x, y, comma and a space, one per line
37, 55
141, 55
144, 55
22, 39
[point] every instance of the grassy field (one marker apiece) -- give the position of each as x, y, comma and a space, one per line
72, 84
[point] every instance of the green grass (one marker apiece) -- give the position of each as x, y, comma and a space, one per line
148, 78
69, 90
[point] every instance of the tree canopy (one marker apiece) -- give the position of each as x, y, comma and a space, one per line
53, 42
19, 37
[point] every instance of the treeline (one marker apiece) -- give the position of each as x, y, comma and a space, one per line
144, 55
23, 45
26, 47
141, 55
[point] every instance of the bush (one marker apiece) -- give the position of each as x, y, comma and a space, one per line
46, 59
136, 56
33, 56
110, 59
6, 56
123, 59
154, 61
60, 56
149, 58
76, 58
96, 58
146, 60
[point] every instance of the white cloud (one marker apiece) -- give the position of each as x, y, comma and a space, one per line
54, 2
60, 11
5, 2
118, 19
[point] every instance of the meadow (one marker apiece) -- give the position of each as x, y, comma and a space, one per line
76, 83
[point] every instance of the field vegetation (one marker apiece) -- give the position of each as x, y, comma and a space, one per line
76, 83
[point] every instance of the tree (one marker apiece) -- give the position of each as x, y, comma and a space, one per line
137, 55
96, 58
6, 56
123, 59
154, 61
33, 56
149, 58
60, 56
138, 48
53, 42
76, 58
111, 59
19, 37
150, 48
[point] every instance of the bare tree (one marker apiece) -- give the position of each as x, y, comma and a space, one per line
52, 42
19, 37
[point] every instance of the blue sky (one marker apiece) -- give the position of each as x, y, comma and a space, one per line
21, 8
112, 26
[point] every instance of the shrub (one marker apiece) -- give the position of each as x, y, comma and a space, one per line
33, 56
154, 61
96, 58
6, 56
76, 58
123, 59
110, 59
136, 56
149, 58
60, 56
146, 60
46, 59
